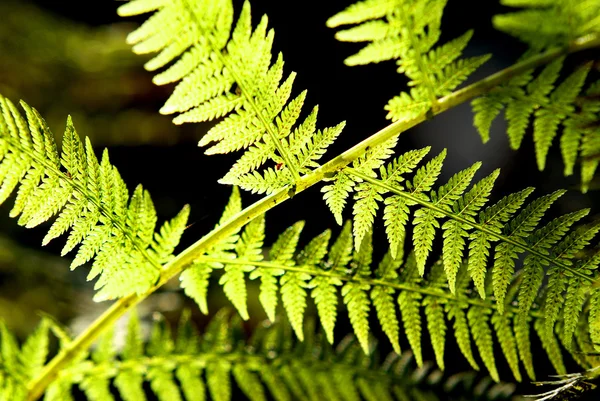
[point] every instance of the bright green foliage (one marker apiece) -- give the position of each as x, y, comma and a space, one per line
324, 289
468, 223
355, 293
282, 252
191, 366
434, 312
407, 31
224, 71
383, 300
293, 285
549, 105
248, 248
549, 23
365, 289
518, 229
90, 200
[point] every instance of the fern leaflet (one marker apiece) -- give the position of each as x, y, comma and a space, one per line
538, 98
90, 201
226, 72
407, 31
542, 24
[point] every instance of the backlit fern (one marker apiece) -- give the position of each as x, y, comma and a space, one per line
539, 98
224, 71
548, 23
325, 272
407, 31
465, 223
222, 363
227, 72
90, 201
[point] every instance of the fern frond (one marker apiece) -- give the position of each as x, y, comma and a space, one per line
407, 32
550, 106
224, 70
543, 24
268, 363
344, 271
89, 200
470, 224
494, 223
448, 201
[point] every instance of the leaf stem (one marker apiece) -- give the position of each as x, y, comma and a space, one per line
183, 260
310, 270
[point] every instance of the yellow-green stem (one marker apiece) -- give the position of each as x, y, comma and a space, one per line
177, 265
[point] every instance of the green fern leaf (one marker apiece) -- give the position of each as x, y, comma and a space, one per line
249, 248
282, 251
323, 287
362, 11
249, 383
129, 382
409, 304
485, 110
293, 285
574, 300
551, 346
436, 325
396, 211
518, 112
425, 219
335, 195
482, 335
461, 332
355, 294
454, 233
383, 300
535, 96
219, 381
558, 280
194, 281
225, 71
594, 317
493, 217
547, 120
408, 32
506, 338
517, 228
35, 351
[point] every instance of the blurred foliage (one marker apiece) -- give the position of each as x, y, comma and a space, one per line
31, 281
66, 67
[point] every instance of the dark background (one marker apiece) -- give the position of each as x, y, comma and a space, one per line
176, 171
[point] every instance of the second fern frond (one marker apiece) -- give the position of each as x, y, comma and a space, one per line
407, 31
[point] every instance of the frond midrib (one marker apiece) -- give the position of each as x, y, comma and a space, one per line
240, 82
402, 286
471, 223
87, 195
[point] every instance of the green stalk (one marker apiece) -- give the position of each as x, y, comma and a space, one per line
310, 270
328, 170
